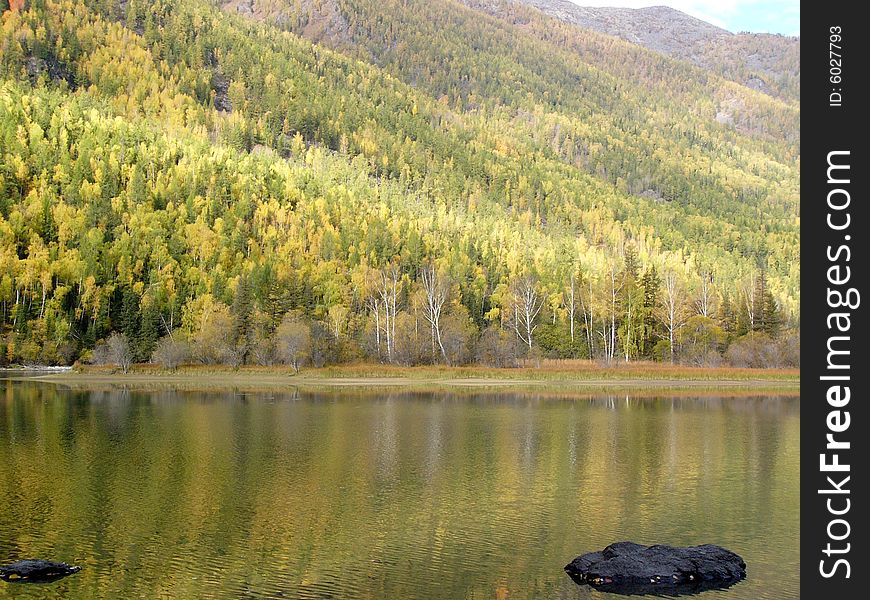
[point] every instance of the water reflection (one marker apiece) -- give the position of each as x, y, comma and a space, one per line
374, 495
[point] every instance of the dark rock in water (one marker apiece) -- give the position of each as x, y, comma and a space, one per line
36, 571
628, 568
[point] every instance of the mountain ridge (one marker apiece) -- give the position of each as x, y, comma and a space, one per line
767, 62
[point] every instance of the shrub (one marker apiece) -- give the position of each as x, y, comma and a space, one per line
171, 352
114, 350
495, 348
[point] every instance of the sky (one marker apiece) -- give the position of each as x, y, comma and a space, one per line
757, 16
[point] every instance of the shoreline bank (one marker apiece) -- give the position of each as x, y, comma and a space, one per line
590, 378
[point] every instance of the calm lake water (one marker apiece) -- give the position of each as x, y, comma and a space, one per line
184, 494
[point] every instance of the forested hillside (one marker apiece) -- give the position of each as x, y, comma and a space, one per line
766, 62
417, 182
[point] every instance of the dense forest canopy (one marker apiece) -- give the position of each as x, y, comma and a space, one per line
422, 182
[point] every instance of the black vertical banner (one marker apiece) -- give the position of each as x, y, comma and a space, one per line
834, 231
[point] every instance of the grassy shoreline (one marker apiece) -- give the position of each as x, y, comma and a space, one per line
577, 376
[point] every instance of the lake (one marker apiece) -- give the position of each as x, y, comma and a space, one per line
367, 494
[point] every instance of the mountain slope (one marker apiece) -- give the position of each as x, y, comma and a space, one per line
643, 122
765, 62
615, 88
165, 157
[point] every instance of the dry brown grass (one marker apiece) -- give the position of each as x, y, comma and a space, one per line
655, 370
544, 370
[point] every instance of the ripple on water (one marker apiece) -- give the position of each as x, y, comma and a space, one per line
350, 495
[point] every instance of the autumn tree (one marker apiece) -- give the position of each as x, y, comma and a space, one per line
211, 329
435, 288
293, 340
115, 350
526, 305
241, 311
171, 352
672, 309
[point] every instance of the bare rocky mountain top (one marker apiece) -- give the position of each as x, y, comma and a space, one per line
658, 27
317, 20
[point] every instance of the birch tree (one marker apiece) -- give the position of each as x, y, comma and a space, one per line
573, 292
528, 302
373, 304
388, 292
704, 304
588, 322
673, 308
435, 289
613, 283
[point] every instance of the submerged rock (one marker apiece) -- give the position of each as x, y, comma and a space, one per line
628, 568
36, 571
